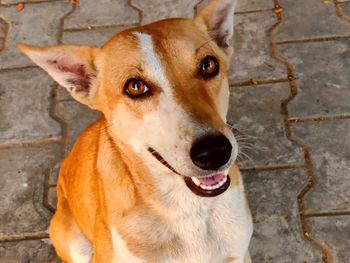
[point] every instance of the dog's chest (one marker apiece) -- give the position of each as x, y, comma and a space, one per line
208, 235
190, 240
223, 233
199, 242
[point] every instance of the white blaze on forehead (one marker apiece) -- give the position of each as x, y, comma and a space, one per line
154, 65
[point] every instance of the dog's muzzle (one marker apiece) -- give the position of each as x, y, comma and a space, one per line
210, 153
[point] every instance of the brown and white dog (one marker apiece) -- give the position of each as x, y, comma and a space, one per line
154, 179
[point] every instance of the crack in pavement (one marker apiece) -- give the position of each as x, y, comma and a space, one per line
327, 258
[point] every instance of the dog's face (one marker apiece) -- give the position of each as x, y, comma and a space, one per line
163, 90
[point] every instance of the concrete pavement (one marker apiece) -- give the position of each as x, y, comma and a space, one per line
290, 100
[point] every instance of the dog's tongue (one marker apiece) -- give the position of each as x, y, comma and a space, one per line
214, 179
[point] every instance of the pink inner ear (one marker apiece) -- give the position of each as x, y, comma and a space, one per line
79, 78
220, 34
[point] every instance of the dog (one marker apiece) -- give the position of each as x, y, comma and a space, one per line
154, 179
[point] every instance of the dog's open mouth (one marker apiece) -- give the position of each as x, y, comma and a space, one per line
206, 186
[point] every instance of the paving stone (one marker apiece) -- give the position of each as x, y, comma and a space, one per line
31, 27
33, 251
252, 58
54, 173
156, 10
277, 234
23, 171
322, 70
63, 94
24, 106
249, 5
245, 5
93, 37
3, 30
77, 116
255, 111
299, 20
329, 143
2, 40
52, 197
11, 2
345, 7
335, 231
101, 13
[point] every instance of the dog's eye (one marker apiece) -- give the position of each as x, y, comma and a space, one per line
209, 67
136, 88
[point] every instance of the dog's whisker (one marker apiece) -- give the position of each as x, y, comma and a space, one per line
246, 141
246, 148
245, 145
244, 156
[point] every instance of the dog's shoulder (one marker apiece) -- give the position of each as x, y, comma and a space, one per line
78, 170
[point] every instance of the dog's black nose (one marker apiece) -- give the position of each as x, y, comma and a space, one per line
211, 151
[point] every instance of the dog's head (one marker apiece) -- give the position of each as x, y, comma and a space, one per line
163, 89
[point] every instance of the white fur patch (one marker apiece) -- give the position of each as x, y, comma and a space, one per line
154, 64
231, 211
80, 250
120, 250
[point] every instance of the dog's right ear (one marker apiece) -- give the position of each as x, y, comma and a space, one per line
217, 18
71, 66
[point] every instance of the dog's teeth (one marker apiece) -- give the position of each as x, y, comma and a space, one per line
216, 186
205, 187
222, 181
209, 187
196, 180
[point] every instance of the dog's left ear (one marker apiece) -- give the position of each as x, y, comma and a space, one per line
217, 18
